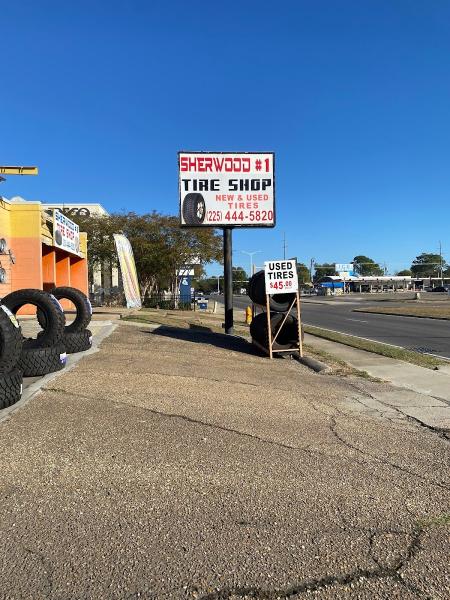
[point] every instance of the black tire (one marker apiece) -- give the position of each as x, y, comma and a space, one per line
82, 306
35, 361
286, 339
78, 342
194, 209
10, 388
11, 340
257, 293
46, 304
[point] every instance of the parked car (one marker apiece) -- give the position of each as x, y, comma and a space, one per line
440, 288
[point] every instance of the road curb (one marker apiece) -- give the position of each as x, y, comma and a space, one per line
315, 365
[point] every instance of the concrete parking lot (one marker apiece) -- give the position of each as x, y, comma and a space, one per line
177, 464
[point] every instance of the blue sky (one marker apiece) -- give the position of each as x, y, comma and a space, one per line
353, 97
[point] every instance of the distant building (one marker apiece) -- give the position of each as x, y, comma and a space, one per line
334, 284
84, 209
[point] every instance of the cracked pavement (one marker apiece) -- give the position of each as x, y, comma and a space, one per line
175, 464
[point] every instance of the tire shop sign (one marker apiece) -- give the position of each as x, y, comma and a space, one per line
280, 276
220, 189
66, 233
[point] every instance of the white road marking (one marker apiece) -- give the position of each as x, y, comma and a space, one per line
357, 320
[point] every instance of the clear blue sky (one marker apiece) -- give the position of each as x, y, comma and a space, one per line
353, 97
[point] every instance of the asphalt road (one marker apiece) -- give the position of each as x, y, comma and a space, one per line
430, 336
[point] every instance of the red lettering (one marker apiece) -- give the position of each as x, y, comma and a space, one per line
218, 164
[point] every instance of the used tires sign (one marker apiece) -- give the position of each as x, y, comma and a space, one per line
220, 189
280, 276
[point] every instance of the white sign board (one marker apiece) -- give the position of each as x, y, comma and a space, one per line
343, 267
281, 276
66, 233
227, 188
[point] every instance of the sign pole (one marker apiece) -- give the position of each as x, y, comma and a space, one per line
228, 278
269, 330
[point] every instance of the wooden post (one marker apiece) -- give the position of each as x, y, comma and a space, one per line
299, 323
269, 330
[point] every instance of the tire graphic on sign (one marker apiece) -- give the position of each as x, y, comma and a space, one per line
194, 209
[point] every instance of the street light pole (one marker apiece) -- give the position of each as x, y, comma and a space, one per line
251, 259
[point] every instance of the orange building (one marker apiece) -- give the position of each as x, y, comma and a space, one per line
41, 249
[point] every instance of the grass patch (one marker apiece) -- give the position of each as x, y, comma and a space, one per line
439, 520
422, 360
430, 312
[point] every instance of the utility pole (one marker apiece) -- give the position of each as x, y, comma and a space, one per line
311, 266
284, 245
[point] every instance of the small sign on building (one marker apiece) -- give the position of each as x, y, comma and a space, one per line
281, 276
66, 233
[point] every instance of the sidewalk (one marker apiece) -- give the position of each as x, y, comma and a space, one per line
429, 397
177, 464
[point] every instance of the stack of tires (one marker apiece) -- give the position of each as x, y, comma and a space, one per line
48, 352
11, 343
278, 305
76, 336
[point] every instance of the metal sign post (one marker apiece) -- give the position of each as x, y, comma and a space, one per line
228, 277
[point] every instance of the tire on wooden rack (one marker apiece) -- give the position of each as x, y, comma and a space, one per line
45, 303
37, 360
82, 305
11, 340
10, 388
257, 293
286, 339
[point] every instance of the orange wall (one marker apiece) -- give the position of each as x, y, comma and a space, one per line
37, 264
48, 267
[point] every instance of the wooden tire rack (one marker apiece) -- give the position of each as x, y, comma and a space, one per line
272, 339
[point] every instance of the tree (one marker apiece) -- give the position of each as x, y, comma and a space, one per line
366, 267
240, 279
206, 286
161, 247
323, 270
303, 273
405, 273
428, 265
